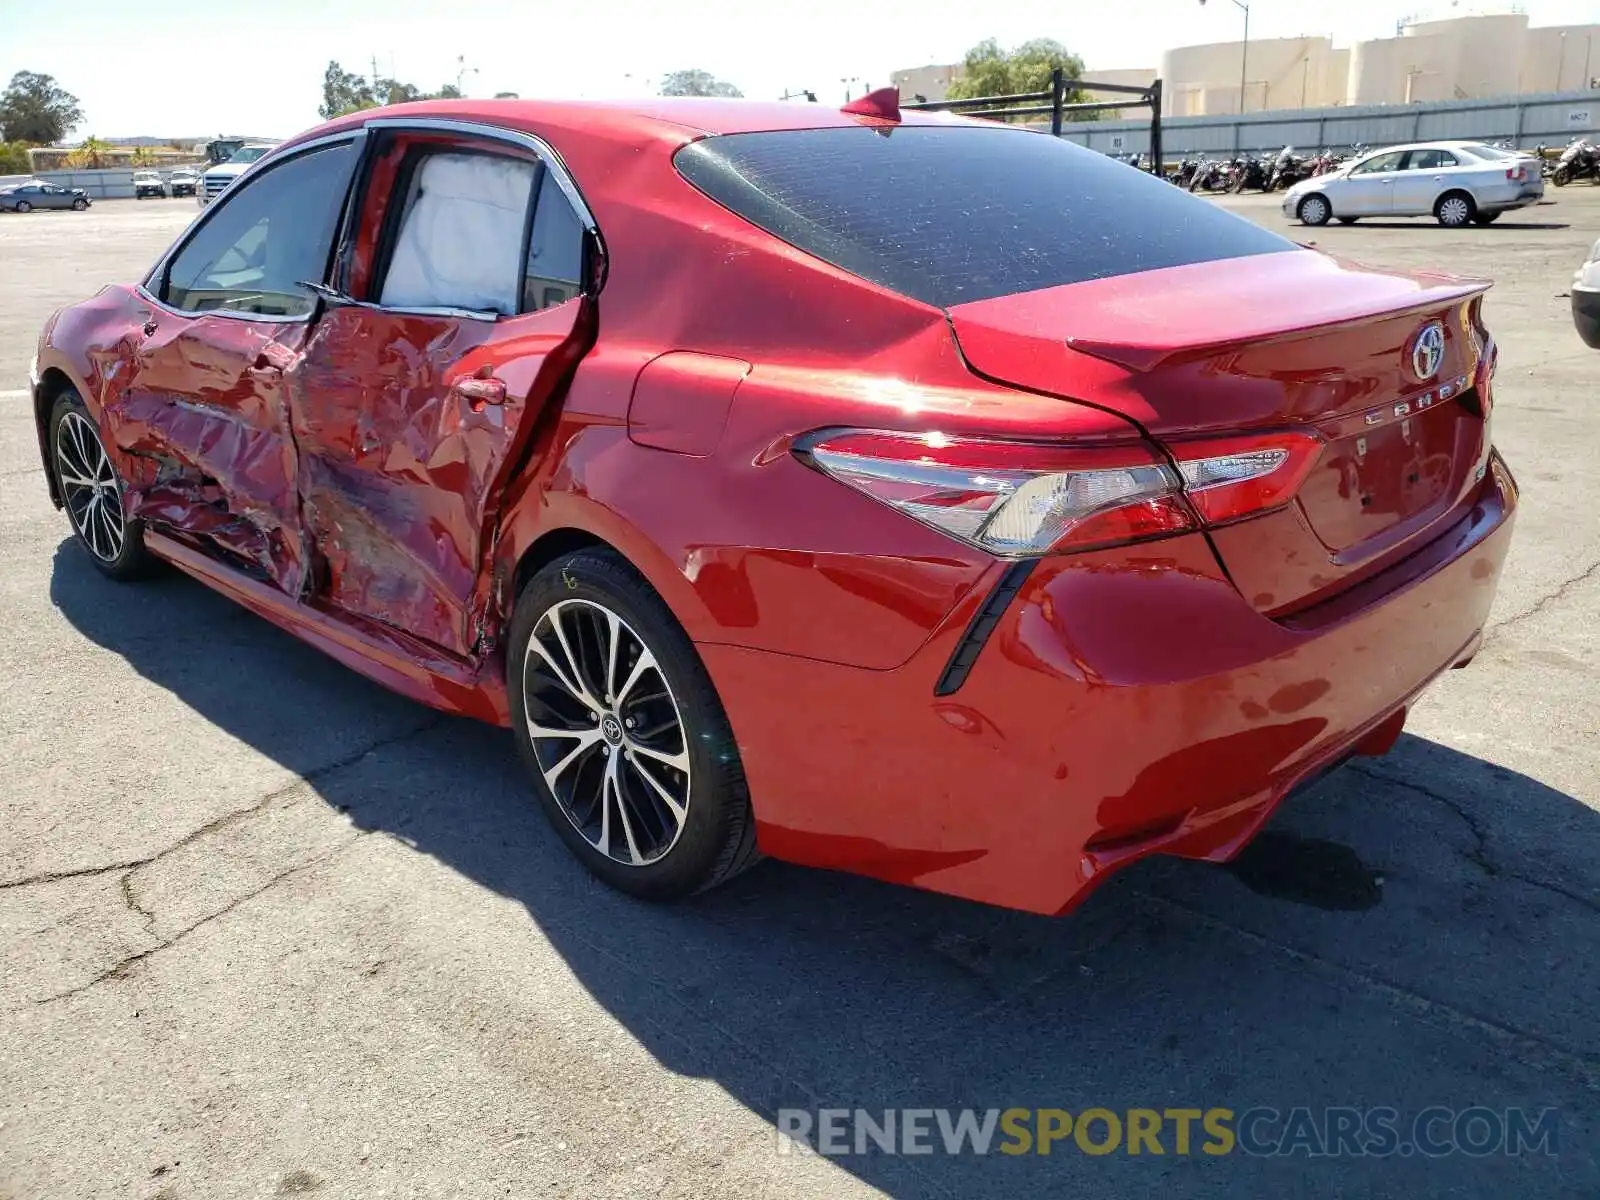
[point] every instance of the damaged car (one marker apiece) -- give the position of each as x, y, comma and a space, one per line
984, 536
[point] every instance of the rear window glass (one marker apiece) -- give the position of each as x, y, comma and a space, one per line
950, 215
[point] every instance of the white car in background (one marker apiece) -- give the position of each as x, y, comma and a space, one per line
1586, 298
1456, 183
215, 181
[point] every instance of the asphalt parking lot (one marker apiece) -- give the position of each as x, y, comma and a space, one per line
266, 929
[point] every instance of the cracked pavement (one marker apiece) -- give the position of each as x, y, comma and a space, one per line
268, 929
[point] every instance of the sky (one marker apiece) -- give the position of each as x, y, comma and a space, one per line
173, 68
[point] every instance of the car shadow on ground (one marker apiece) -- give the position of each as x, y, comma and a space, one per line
1417, 930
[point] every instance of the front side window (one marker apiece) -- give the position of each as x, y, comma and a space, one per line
268, 237
1380, 162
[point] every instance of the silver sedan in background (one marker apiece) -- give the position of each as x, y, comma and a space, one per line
1456, 183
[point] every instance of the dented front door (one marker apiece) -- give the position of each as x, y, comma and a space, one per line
206, 418
407, 425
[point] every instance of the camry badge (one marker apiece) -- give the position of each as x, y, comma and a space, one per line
1427, 350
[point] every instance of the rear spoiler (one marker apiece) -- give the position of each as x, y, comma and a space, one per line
1139, 321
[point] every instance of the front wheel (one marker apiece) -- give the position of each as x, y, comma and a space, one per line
92, 493
1561, 176
1315, 210
23, 206
632, 756
1454, 210
79, 204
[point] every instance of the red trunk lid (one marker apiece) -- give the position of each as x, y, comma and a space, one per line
1279, 341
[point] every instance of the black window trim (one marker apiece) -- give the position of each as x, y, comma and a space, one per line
153, 284
550, 162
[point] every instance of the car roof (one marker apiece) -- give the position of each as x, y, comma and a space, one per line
609, 119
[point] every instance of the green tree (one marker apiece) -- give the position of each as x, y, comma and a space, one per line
344, 92
34, 108
93, 154
990, 71
695, 82
14, 159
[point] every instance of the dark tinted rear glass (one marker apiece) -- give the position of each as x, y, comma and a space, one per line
948, 215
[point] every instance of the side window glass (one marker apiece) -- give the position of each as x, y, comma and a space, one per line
265, 239
1431, 160
459, 239
555, 250
1384, 162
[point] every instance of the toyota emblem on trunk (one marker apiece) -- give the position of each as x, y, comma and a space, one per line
1427, 352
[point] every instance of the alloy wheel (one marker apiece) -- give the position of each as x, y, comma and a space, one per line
1454, 210
607, 731
90, 487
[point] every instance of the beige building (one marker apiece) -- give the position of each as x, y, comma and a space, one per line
931, 82
1461, 59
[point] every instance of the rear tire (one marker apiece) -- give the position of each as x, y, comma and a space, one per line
92, 493
1455, 210
1314, 210
632, 756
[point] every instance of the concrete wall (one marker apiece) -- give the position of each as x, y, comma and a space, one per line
1553, 119
112, 184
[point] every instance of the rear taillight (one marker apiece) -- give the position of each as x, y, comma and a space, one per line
1013, 499
1019, 499
1229, 478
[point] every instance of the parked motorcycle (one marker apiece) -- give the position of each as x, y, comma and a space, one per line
1580, 160
1212, 175
1252, 174
1184, 175
1288, 169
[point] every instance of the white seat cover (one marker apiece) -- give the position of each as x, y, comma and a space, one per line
461, 241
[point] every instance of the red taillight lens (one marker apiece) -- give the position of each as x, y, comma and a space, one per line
1229, 478
1018, 499
1013, 499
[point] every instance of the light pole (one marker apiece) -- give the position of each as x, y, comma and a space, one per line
1244, 48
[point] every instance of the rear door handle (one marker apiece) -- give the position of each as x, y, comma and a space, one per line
481, 391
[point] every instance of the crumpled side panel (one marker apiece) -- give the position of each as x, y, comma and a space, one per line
205, 428
401, 473
394, 468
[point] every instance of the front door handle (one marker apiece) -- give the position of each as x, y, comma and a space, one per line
479, 392
273, 359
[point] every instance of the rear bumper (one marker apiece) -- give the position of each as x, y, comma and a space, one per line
1128, 702
1586, 315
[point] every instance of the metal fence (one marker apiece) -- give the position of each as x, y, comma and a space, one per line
1552, 118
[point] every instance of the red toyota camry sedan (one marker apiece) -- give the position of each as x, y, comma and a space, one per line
909, 495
